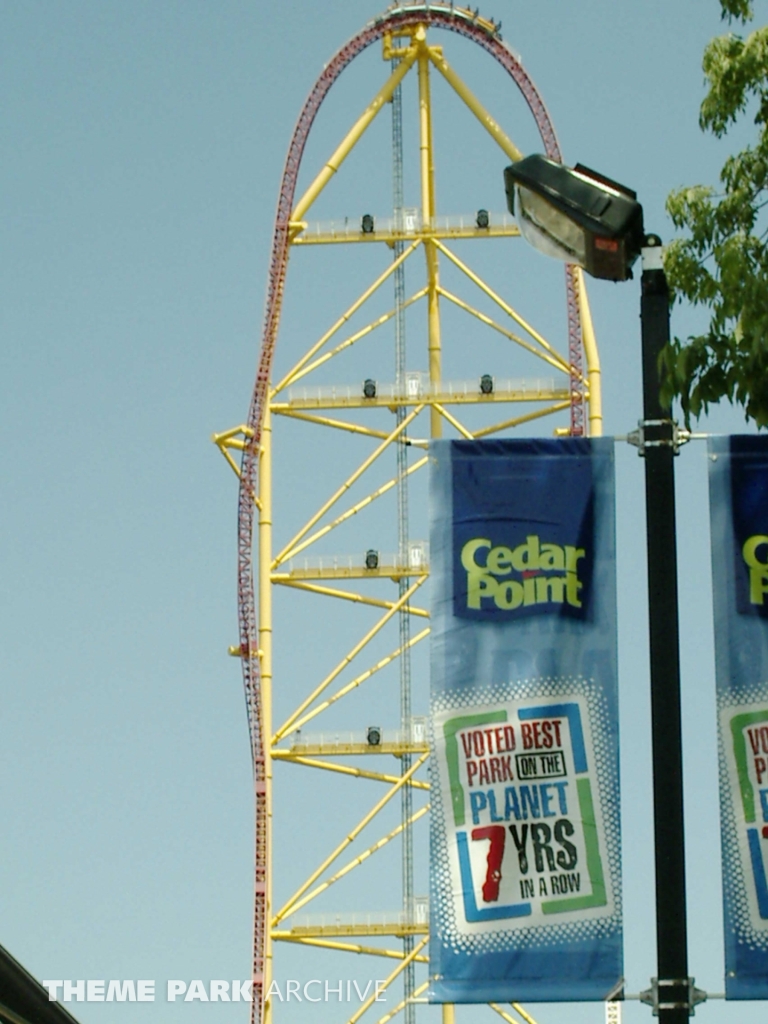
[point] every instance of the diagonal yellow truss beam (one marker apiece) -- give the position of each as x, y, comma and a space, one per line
345, 947
343, 769
453, 421
291, 720
383, 96
401, 1005
558, 363
386, 660
384, 276
350, 838
395, 974
361, 859
491, 126
353, 428
363, 503
518, 420
362, 333
502, 304
523, 1013
348, 595
393, 436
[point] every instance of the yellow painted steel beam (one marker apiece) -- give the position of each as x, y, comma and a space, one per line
361, 859
392, 977
358, 507
350, 312
227, 435
362, 333
265, 670
523, 1013
449, 1014
359, 572
350, 838
389, 236
401, 1005
357, 681
341, 749
349, 929
518, 420
427, 168
403, 425
342, 769
355, 133
558, 363
592, 356
444, 397
344, 947
229, 459
347, 595
290, 724
500, 302
353, 428
453, 421
503, 1013
492, 126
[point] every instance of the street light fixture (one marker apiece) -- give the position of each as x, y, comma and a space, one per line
577, 215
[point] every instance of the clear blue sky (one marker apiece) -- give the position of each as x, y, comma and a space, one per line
144, 144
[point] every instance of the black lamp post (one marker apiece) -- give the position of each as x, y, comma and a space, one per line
582, 217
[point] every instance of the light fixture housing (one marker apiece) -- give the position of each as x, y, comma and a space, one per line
371, 559
373, 736
369, 388
482, 219
486, 384
577, 215
366, 224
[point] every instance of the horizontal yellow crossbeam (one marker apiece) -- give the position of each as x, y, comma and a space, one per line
363, 503
358, 680
346, 595
344, 947
360, 859
366, 464
348, 839
289, 724
343, 769
389, 236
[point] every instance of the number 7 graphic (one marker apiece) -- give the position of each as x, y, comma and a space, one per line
497, 835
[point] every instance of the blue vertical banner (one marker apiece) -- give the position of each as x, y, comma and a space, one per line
738, 484
525, 860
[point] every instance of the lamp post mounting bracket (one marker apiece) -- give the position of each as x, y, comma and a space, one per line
663, 433
673, 994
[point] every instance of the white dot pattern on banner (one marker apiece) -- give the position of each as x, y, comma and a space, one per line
606, 771
734, 889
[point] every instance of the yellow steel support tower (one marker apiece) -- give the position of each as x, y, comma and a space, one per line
297, 561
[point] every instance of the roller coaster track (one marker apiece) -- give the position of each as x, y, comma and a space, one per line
433, 15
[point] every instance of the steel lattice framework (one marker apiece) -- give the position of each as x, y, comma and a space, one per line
252, 439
